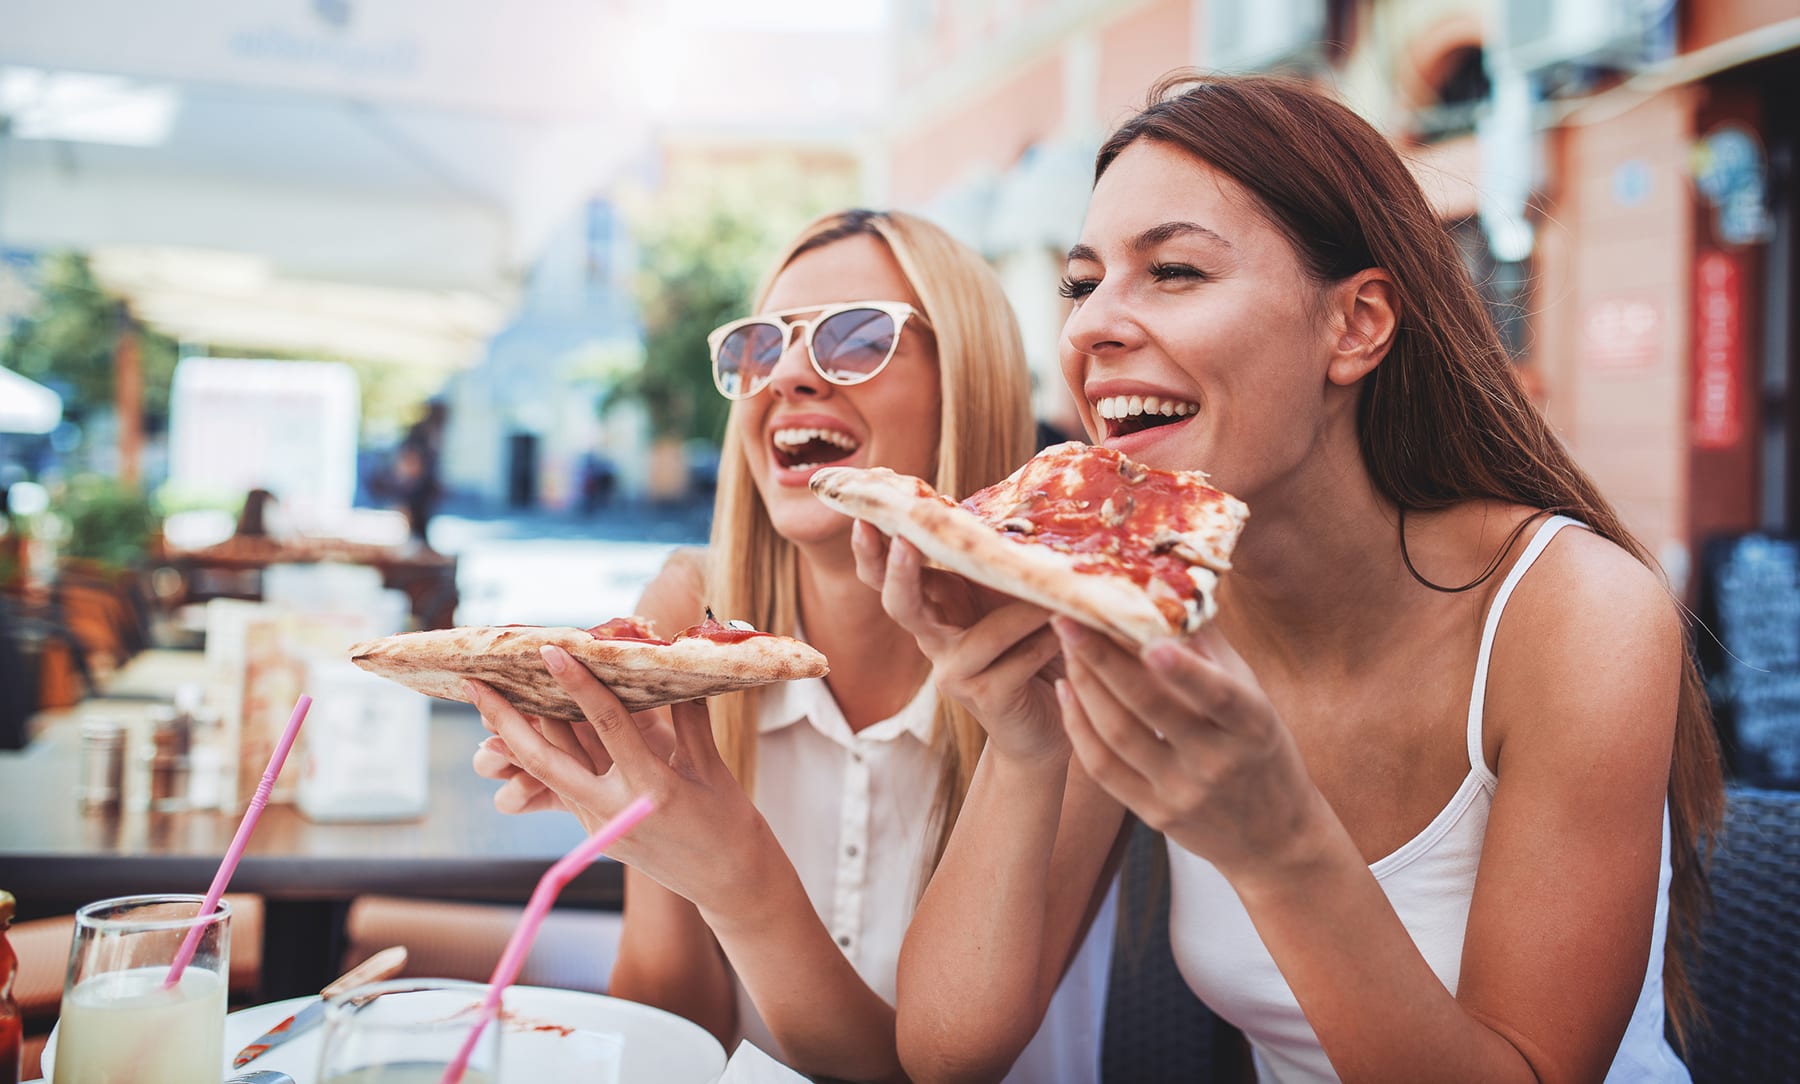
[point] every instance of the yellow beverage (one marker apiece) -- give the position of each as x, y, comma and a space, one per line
122, 1027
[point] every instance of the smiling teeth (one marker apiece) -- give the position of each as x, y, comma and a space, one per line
1114, 407
790, 439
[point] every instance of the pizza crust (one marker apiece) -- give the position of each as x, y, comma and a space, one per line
642, 675
962, 542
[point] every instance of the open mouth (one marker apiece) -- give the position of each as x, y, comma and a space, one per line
1125, 414
803, 449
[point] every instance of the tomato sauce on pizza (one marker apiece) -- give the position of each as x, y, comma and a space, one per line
1114, 516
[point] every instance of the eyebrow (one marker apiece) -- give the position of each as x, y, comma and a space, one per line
1152, 237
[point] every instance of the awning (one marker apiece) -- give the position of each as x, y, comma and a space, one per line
377, 180
290, 175
27, 406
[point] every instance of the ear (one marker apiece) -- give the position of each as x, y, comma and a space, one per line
1365, 313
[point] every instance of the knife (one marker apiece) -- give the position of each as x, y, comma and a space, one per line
384, 964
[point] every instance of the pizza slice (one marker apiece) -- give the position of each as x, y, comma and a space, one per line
642, 669
1079, 529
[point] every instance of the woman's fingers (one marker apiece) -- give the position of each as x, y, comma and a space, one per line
612, 724
903, 594
1097, 758
1130, 729
870, 548
564, 736
493, 760
523, 794
694, 742
1014, 631
528, 749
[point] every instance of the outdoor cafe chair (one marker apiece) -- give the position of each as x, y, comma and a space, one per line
1157, 1031
1748, 976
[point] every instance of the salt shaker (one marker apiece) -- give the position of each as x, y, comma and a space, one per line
102, 782
171, 740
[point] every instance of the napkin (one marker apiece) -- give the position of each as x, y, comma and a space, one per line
750, 1065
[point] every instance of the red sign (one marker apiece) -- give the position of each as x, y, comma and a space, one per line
1622, 332
1718, 353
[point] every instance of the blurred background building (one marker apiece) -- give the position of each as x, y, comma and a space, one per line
534, 211
1620, 175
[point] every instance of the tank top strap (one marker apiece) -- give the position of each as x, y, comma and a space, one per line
1478, 693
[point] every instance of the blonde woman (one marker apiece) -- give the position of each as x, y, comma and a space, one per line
796, 825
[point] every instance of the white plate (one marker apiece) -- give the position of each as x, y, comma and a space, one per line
659, 1047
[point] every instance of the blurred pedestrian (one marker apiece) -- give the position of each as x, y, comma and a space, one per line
416, 470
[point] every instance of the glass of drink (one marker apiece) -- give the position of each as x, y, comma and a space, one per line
406, 1031
120, 1025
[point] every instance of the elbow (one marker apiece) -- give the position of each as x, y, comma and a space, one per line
717, 1015
967, 1048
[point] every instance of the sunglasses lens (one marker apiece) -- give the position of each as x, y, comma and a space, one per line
746, 358
851, 346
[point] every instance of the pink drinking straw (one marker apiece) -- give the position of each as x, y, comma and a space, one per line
236, 850
542, 897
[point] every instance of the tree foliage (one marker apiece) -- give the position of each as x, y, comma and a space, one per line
704, 241
69, 341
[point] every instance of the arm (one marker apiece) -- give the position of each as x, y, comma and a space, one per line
706, 843
1027, 864
1026, 869
1582, 706
668, 958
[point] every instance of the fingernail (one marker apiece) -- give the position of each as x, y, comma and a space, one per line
553, 658
1069, 632
473, 690
1062, 692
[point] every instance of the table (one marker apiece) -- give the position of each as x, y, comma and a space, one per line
55, 858
235, 569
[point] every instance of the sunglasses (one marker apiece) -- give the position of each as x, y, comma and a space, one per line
847, 344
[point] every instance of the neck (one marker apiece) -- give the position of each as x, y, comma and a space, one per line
876, 666
1318, 577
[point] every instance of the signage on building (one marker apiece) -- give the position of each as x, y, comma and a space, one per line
1718, 415
1622, 332
1733, 176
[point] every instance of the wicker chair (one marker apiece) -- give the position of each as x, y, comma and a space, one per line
1157, 1031
1749, 968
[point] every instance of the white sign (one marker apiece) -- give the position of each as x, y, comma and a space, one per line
289, 427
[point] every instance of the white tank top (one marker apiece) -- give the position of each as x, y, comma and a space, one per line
1429, 880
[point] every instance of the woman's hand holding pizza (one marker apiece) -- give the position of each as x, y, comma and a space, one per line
995, 655
1182, 734
522, 793
597, 768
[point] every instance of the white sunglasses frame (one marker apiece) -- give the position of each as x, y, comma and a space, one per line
897, 311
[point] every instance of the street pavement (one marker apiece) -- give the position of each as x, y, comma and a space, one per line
561, 568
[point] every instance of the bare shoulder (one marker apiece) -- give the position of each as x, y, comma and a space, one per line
674, 598
1586, 587
1588, 656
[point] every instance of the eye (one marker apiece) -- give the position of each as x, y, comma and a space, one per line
1076, 289
1166, 272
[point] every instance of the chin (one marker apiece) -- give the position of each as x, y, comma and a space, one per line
807, 522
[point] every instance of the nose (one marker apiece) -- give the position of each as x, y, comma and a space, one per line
1100, 324
794, 375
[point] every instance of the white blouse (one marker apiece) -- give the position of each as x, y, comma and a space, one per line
853, 811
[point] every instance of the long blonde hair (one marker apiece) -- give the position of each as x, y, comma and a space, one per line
985, 431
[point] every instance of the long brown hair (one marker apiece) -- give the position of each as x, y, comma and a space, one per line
1443, 419
985, 431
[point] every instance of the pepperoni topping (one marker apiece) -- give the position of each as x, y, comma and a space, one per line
1124, 518
718, 632
636, 629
